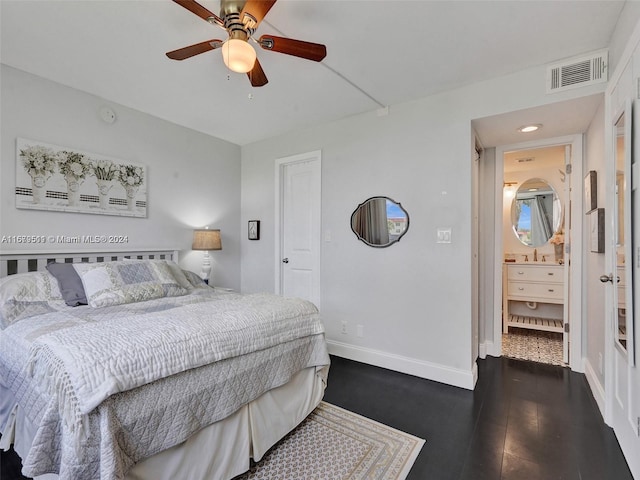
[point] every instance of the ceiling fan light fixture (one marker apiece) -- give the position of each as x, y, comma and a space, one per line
238, 55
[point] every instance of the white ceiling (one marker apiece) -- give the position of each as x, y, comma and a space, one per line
557, 120
379, 53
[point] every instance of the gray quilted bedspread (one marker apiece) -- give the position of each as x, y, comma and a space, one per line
149, 409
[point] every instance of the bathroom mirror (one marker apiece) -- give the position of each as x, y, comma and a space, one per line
535, 212
379, 221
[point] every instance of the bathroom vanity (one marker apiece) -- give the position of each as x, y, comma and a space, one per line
532, 283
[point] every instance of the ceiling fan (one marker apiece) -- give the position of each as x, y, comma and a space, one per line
241, 18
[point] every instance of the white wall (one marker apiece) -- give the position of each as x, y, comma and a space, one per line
624, 29
594, 264
414, 298
193, 179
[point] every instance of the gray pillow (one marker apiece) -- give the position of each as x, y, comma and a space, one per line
69, 282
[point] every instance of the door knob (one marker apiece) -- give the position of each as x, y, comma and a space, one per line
606, 278
285, 260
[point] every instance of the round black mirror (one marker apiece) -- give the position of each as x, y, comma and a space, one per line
380, 222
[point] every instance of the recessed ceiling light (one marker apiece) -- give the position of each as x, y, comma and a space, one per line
530, 128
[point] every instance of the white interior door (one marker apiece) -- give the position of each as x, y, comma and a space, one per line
623, 399
299, 246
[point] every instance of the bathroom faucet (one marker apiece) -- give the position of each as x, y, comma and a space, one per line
535, 254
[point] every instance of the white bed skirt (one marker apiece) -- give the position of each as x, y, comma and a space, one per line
223, 449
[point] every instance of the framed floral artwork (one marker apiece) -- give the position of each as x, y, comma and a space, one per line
254, 229
55, 178
591, 191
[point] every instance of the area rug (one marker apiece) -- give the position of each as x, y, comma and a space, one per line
533, 345
335, 444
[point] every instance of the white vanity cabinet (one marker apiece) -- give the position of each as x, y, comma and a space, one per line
540, 283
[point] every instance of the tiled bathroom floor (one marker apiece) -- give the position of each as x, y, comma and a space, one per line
533, 345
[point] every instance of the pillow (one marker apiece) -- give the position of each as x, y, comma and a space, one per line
117, 283
179, 274
69, 282
25, 295
194, 280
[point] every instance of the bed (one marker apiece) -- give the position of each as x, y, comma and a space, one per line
158, 377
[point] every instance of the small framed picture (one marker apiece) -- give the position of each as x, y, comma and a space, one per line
591, 191
596, 230
254, 230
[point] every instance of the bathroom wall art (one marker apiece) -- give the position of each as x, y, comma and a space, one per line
55, 178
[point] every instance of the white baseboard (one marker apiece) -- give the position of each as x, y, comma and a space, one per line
491, 349
420, 368
596, 387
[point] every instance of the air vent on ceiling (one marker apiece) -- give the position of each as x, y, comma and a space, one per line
577, 72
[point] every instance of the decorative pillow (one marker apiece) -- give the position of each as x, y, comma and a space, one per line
115, 283
25, 295
69, 282
194, 280
176, 271
178, 274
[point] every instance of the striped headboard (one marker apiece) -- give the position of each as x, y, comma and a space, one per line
12, 263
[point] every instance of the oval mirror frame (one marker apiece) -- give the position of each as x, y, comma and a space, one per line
544, 214
379, 224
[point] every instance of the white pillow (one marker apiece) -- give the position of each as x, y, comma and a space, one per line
25, 295
179, 274
194, 280
116, 283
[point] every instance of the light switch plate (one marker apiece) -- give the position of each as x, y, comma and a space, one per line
444, 235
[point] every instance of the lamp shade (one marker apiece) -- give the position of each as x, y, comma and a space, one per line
238, 55
206, 240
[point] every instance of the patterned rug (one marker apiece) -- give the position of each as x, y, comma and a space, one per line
533, 345
335, 444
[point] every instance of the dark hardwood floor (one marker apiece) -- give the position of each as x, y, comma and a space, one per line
524, 421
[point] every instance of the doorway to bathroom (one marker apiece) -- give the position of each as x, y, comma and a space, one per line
533, 257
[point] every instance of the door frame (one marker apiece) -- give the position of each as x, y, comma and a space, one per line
576, 222
280, 165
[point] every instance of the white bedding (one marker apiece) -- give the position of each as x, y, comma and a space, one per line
159, 371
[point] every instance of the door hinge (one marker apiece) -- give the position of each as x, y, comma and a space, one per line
566, 328
568, 168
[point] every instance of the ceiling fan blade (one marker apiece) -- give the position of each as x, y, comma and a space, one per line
257, 76
205, 14
297, 48
193, 50
256, 9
